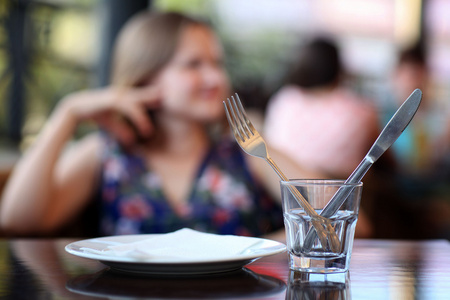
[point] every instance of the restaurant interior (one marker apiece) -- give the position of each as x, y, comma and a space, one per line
50, 48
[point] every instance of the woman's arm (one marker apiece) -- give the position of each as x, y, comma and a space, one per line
47, 188
43, 183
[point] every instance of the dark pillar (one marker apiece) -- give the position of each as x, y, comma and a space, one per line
18, 62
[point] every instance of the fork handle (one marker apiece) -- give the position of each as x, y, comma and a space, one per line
276, 169
306, 206
316, 219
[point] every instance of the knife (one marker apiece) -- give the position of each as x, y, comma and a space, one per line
393, 129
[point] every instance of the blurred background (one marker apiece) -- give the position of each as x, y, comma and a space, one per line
49, 48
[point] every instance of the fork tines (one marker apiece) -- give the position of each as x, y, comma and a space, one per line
237, 118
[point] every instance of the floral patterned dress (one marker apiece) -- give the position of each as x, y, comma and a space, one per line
224, 198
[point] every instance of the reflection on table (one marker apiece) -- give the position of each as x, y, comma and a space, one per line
41, 269
241, 283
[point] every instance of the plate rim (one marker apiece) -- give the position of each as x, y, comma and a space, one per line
278, 247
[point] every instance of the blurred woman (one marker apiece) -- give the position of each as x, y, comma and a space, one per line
159, 160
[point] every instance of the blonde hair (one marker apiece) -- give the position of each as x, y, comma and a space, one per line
145, 45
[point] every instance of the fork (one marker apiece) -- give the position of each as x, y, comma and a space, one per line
253, 144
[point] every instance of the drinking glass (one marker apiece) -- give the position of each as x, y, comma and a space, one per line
319, 258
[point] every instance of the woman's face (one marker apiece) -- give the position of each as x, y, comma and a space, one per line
194, 82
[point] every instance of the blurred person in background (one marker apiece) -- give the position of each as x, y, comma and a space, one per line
420, 175
162, 159
425, 143
316, 121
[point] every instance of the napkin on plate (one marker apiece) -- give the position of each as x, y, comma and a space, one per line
184, 245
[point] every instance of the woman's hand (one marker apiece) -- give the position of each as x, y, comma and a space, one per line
123, 112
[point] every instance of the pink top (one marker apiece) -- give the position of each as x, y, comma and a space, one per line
329, 132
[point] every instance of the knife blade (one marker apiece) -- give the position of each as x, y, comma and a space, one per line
396, 125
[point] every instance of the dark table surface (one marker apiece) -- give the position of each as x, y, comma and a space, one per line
380, 269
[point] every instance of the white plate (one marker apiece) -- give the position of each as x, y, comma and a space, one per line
128, 264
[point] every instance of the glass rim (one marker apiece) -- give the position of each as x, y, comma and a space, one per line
319, 182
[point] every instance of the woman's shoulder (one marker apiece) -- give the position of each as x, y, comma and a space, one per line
107, 144
103, 146
93, 141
